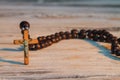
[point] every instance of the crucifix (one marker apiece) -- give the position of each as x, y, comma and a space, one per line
24, 26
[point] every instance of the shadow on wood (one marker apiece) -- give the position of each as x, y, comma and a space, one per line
13, 49
103, 50
10, 61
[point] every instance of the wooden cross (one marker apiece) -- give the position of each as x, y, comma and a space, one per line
24, 26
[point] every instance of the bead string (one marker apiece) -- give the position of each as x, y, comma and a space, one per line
95, 35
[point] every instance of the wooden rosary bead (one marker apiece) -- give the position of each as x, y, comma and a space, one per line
57, 39
116, 48
110, 36
24, 25
74, 36
99, 32
82, 30
63, 36
53, 40
105, 39
52, 36
42, 45
57, 34
82, 34
48, 37
88, 33
68, 35
95, 37
49, 42
117, 52
108, 40
74, 33
61, 33
90, 36
94, 32
113, 49
30, 46
103, 31
118, 40
66, 32
114, 45
60, 38
46, 44
114, 39
37, 46
41, 38
101, 38
106, 33
33, 46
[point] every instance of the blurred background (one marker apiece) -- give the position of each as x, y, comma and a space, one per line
109, 6
98, 3
60, 13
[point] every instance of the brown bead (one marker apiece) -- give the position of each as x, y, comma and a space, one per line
49, 42
82, 34
112, 50
118, 40
90, 36
52, 36
46, 44
63, 36
68, 35
48, 37
42, 45
41, 38
57, 39
101, 38
117, 52
99, 32
114, 47
94, 31
108, 40
24, 25
57, 34
95, 37
60, 38
33, 46
114, 38
74, 31
53, 40
74, 36
30, 46
61, 33
103, 31
88, 31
